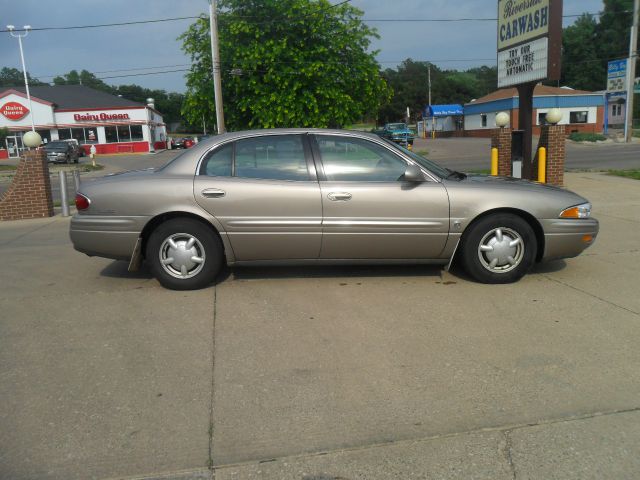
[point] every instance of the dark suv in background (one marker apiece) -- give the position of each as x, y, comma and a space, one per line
60, 151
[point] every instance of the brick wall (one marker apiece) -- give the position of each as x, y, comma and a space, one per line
552, 137
29, 195
501, 139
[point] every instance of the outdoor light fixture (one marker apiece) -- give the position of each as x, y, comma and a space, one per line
12, 32
32, 139
554, 116
502, 119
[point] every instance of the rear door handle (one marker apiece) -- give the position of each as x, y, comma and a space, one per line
339, 196
213, 193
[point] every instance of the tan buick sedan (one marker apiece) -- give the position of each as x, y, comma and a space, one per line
292, 196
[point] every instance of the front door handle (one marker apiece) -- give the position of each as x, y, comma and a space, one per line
339, 196
213, 193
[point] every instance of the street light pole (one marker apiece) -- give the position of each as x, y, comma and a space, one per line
14, 34
215, 62
631, 72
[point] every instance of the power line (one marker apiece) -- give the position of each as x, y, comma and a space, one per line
222, 18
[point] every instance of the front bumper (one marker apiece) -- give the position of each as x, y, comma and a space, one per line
105, 236
567, 238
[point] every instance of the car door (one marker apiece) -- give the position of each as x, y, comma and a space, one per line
264, 192
369, 212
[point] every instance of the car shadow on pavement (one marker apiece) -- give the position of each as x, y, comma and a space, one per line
548, 267
119, 269
326, 271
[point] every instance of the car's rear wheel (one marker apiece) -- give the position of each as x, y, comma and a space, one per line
184, 254
500, 248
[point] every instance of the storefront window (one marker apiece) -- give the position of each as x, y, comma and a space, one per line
91, 135
78, 134
136, 133
124, 135
578, 117
45, 135
64, 133
111, 133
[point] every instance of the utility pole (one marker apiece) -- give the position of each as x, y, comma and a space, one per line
215, 62
432, 125
631, 71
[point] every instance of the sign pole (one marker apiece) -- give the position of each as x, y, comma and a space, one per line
525, 123
631, 72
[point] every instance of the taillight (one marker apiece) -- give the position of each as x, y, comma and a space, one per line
82, 202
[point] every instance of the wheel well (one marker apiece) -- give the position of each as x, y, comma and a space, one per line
530, 219
160, 219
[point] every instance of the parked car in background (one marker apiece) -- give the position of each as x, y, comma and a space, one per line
76, 146
184, 142
316, 196
398, 133
61, 151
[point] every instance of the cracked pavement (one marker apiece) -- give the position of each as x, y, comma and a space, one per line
322, 373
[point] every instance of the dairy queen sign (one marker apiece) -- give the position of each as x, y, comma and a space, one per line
14, 111
529, 41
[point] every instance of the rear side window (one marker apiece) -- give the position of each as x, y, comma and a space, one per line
218, 162
274, 157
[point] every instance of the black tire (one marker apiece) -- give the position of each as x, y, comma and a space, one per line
513, 243
206, 247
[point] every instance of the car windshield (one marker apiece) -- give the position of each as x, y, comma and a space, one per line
428, 164
397, 126
56, 146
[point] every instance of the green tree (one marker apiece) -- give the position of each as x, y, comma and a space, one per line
582, 67
285, 63
85, 78
410, 84
168, 103
12, 77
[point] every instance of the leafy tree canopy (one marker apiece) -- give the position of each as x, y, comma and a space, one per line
12, 77
588, 45
301, 63
410, 83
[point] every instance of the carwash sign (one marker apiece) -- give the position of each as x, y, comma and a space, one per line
529, 41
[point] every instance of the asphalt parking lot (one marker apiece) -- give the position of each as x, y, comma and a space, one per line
322, 373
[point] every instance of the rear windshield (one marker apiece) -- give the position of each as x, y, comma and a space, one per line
56, 145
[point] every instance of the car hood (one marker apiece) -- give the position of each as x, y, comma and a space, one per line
485, 192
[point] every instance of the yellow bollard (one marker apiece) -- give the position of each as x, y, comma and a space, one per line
542, 165
494, 162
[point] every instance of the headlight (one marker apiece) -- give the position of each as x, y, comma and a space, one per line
579, 211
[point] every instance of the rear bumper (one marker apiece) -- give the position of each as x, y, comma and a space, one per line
104, 236
566, 238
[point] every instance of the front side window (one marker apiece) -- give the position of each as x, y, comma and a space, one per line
578, 117
483, 119
274, 157
352, 159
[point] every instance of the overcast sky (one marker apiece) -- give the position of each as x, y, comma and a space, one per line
449, 45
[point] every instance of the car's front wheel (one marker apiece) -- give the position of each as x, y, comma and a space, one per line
500, 248
184, 254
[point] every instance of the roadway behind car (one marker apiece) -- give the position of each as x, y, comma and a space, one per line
376, 372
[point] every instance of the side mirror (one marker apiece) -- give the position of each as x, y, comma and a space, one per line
413, 174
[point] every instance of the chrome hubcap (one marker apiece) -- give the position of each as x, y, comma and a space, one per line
182, 255
501, 250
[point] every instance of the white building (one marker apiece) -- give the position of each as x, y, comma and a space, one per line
113, 124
